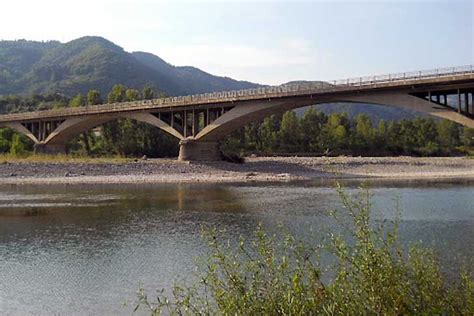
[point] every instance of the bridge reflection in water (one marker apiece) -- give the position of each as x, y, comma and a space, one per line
201, 121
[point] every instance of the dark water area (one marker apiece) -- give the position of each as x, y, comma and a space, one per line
79, 250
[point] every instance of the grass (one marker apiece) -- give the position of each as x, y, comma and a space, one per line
280, 275
60, 158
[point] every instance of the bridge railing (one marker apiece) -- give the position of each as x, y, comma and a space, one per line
402, 76
260, 92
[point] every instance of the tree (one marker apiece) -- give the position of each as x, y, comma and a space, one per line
381, 135
252, 139
112, 132
336, 131
77, 101
269, 133
448, 133
394, 143
424, 131
117, 94
5, 137
59, 104
132, 95
289, 133
364, 137
148, 93
468, 136
94, 98
17, 147
312, 125
407, 136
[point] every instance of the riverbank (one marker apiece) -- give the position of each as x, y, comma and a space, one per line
258, 169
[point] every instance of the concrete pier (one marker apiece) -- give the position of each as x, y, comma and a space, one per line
192, 150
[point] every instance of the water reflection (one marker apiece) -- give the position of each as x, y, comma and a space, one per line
84, 249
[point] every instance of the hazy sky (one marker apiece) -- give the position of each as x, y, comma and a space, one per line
263, 41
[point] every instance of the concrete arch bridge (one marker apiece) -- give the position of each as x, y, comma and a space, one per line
201, 121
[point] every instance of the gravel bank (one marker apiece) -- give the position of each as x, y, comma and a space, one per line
259, 169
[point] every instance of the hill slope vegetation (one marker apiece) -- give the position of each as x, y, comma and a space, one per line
87, 63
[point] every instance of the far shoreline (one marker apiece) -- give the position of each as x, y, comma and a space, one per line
254, 170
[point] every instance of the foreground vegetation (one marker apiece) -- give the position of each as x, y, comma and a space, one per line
372, 274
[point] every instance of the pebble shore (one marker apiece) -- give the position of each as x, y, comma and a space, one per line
255, 169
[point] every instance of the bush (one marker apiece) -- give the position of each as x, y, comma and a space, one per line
271, 275
17, 147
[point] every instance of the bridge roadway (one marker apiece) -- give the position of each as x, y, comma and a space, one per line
201, 121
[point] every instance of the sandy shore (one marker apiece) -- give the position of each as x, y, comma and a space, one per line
260, 169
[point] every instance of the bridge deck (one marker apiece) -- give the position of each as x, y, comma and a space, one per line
356, 85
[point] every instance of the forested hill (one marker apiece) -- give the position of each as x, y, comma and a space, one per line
28, 67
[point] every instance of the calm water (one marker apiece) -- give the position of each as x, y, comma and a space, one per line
85, 250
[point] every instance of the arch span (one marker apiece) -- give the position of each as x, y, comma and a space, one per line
244, 114
18, 127
72, 127
252, 112
204, 146
413, 103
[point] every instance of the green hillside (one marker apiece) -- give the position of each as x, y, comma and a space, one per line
28, 67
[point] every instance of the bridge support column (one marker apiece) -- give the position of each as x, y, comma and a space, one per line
194, 150
49, 149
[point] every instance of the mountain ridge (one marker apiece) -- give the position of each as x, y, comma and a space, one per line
91, 62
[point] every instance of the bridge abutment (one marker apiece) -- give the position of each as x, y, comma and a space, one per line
49, 149
193, 150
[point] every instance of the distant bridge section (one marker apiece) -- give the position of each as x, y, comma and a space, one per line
201, 121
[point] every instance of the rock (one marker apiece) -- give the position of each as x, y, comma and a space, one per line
12, 174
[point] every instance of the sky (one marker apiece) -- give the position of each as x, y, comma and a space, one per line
263, 41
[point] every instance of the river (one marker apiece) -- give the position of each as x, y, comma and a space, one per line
79, 250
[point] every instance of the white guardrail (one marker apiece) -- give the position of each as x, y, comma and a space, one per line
262, 92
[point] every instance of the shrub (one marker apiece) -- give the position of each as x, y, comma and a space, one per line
279, 275
17, 147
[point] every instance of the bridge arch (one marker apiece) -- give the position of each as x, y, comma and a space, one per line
247, 113
205, 143
413, 103
71, 127
18, 127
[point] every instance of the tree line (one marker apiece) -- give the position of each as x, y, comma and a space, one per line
314, 133
320, 134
